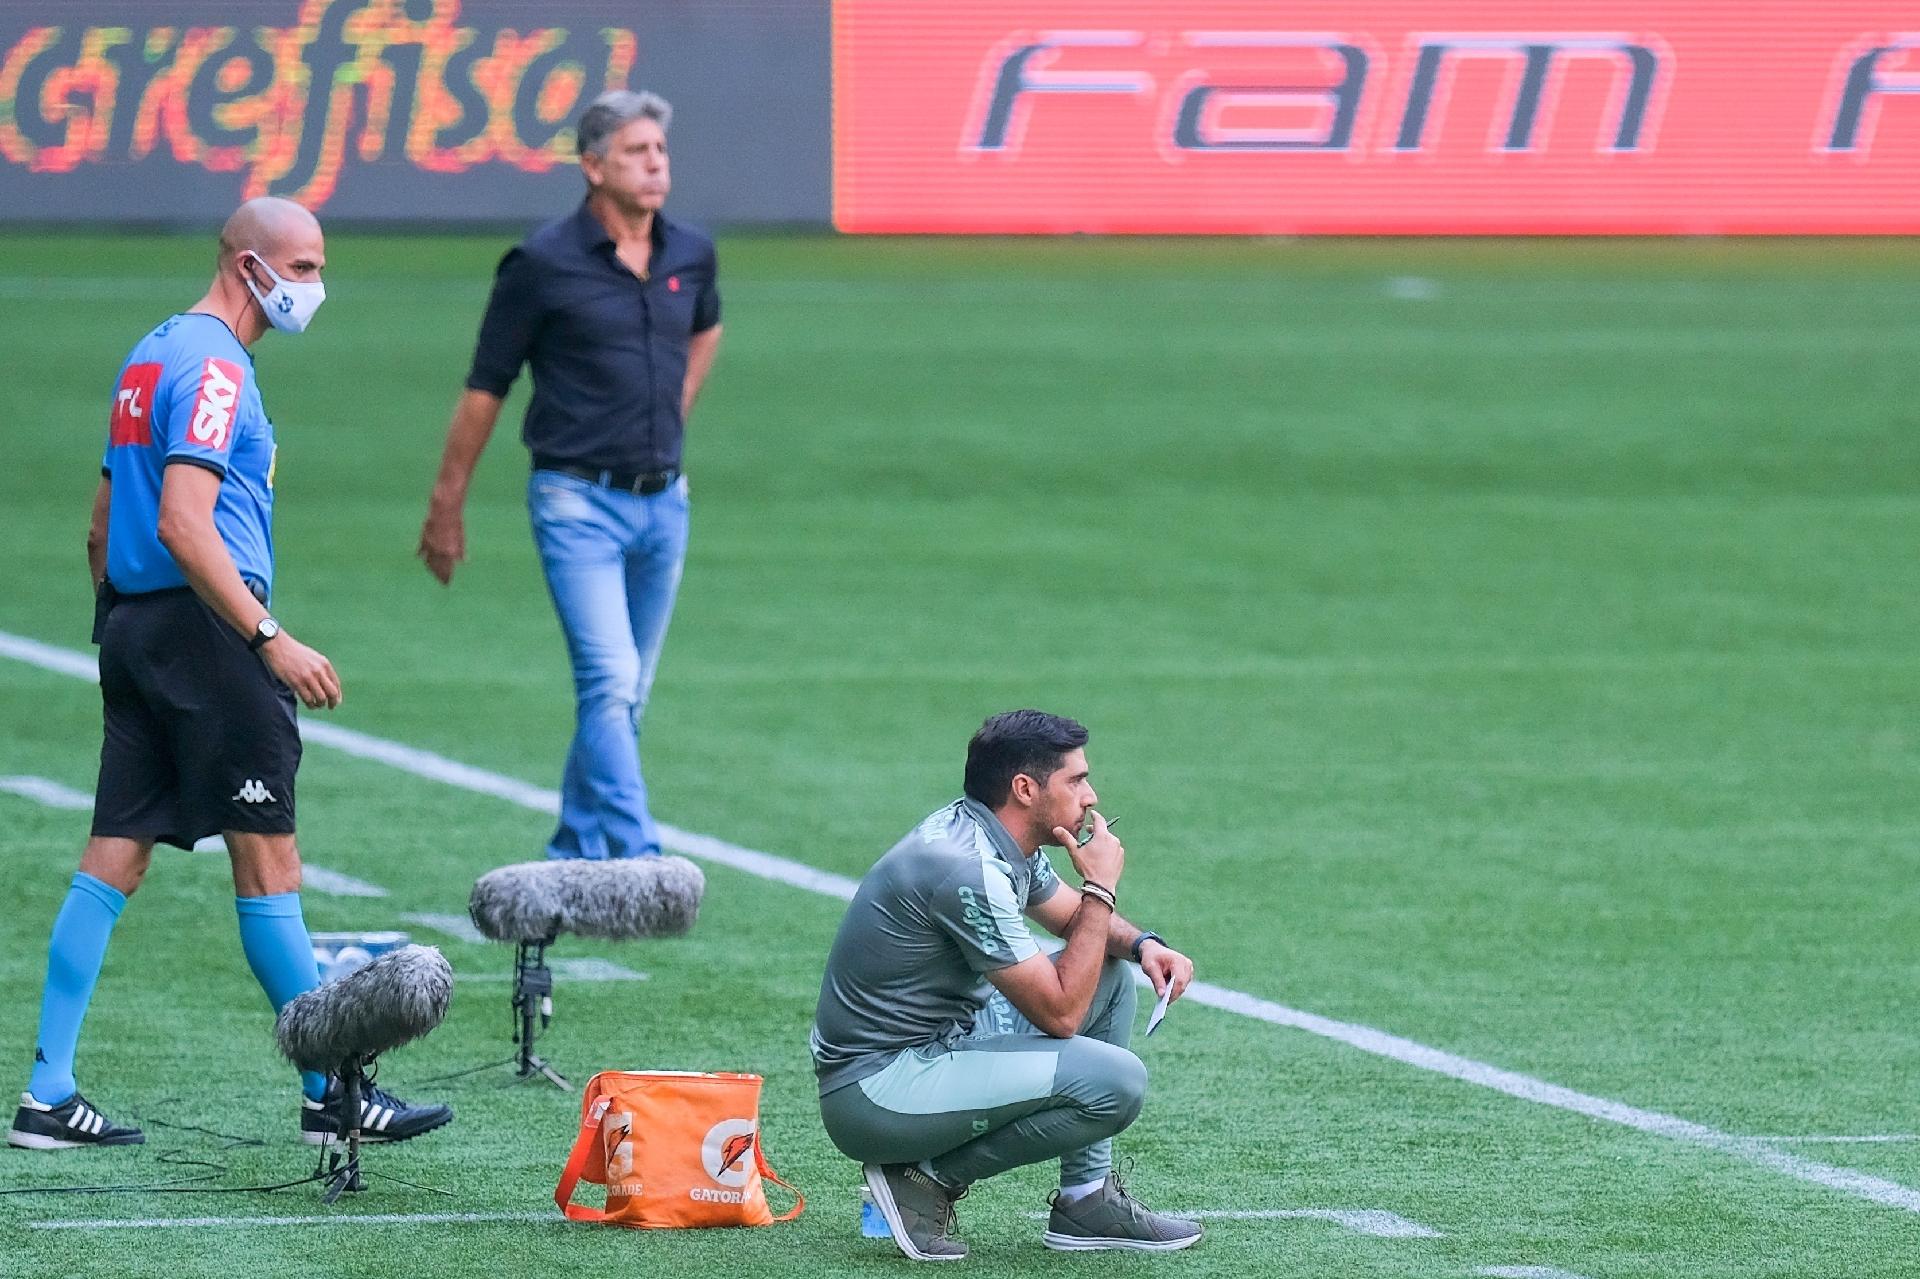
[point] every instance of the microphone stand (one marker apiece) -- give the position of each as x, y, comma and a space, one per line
533, 996
343, 1177
530, 1012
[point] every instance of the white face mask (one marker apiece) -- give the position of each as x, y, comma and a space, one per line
291, 304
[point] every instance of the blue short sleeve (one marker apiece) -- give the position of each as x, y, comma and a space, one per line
201, 416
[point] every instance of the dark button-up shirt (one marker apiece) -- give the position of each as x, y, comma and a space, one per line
608, 349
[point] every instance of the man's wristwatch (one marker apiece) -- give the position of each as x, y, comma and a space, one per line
1140, 943
263, 631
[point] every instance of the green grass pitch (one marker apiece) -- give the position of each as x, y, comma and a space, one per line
1507, 646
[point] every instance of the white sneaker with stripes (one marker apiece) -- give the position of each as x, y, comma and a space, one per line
71, 1124
383, 1116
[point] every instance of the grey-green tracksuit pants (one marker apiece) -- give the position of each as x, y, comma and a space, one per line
1003, 1095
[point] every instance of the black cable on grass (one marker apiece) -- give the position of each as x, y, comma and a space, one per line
324, 1170
174, 1187
180, 1158
232, 1140
468, 1071
383, 1176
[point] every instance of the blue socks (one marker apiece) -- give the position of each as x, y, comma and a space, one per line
74, 956
273, 933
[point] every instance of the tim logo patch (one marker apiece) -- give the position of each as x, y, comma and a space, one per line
215, 404
132, 421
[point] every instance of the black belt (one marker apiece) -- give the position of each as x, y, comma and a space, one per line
642, 483
107, 591
106, 598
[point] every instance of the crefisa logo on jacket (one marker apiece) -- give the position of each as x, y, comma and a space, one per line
725, 1156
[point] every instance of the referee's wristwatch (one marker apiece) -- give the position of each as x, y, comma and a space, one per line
1140, 943
265, 629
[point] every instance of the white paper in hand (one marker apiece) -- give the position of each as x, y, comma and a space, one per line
1160, 1010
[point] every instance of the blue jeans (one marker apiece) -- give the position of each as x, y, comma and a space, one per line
612, 562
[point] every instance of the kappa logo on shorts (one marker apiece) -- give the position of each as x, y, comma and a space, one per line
214, 406
253, 791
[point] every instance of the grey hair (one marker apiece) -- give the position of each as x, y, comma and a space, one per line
613, 111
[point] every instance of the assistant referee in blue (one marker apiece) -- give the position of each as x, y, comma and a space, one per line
197, 678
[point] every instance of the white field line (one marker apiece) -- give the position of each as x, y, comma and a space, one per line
1412, 288
438, 768
458, 927
61, 661
589, 968
1373, 1222
41, 790
1382, 1225
574, 970
764, 865
1871, 1139
1362, 1221
318, 878
370, 1219
1381, 1044
335, 884
1525, 1272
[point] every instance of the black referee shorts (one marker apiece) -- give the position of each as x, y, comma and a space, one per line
200, 736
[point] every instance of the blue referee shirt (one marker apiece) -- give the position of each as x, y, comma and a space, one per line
187, 395
608, 348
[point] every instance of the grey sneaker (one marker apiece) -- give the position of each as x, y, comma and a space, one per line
919, 1210
1112, 1218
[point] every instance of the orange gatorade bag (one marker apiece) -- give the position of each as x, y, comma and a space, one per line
673, 1148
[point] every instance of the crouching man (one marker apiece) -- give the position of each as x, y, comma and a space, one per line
934, 1078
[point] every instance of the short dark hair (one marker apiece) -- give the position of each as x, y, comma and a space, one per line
613, 111
1015, 742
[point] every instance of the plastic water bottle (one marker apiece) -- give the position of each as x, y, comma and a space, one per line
873, 1223
337, 954
348, 959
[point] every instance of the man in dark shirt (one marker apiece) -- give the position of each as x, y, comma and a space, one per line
617, 310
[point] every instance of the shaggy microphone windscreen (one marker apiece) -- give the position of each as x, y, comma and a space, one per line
615, 900
633, 897
395, 999
518, 903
